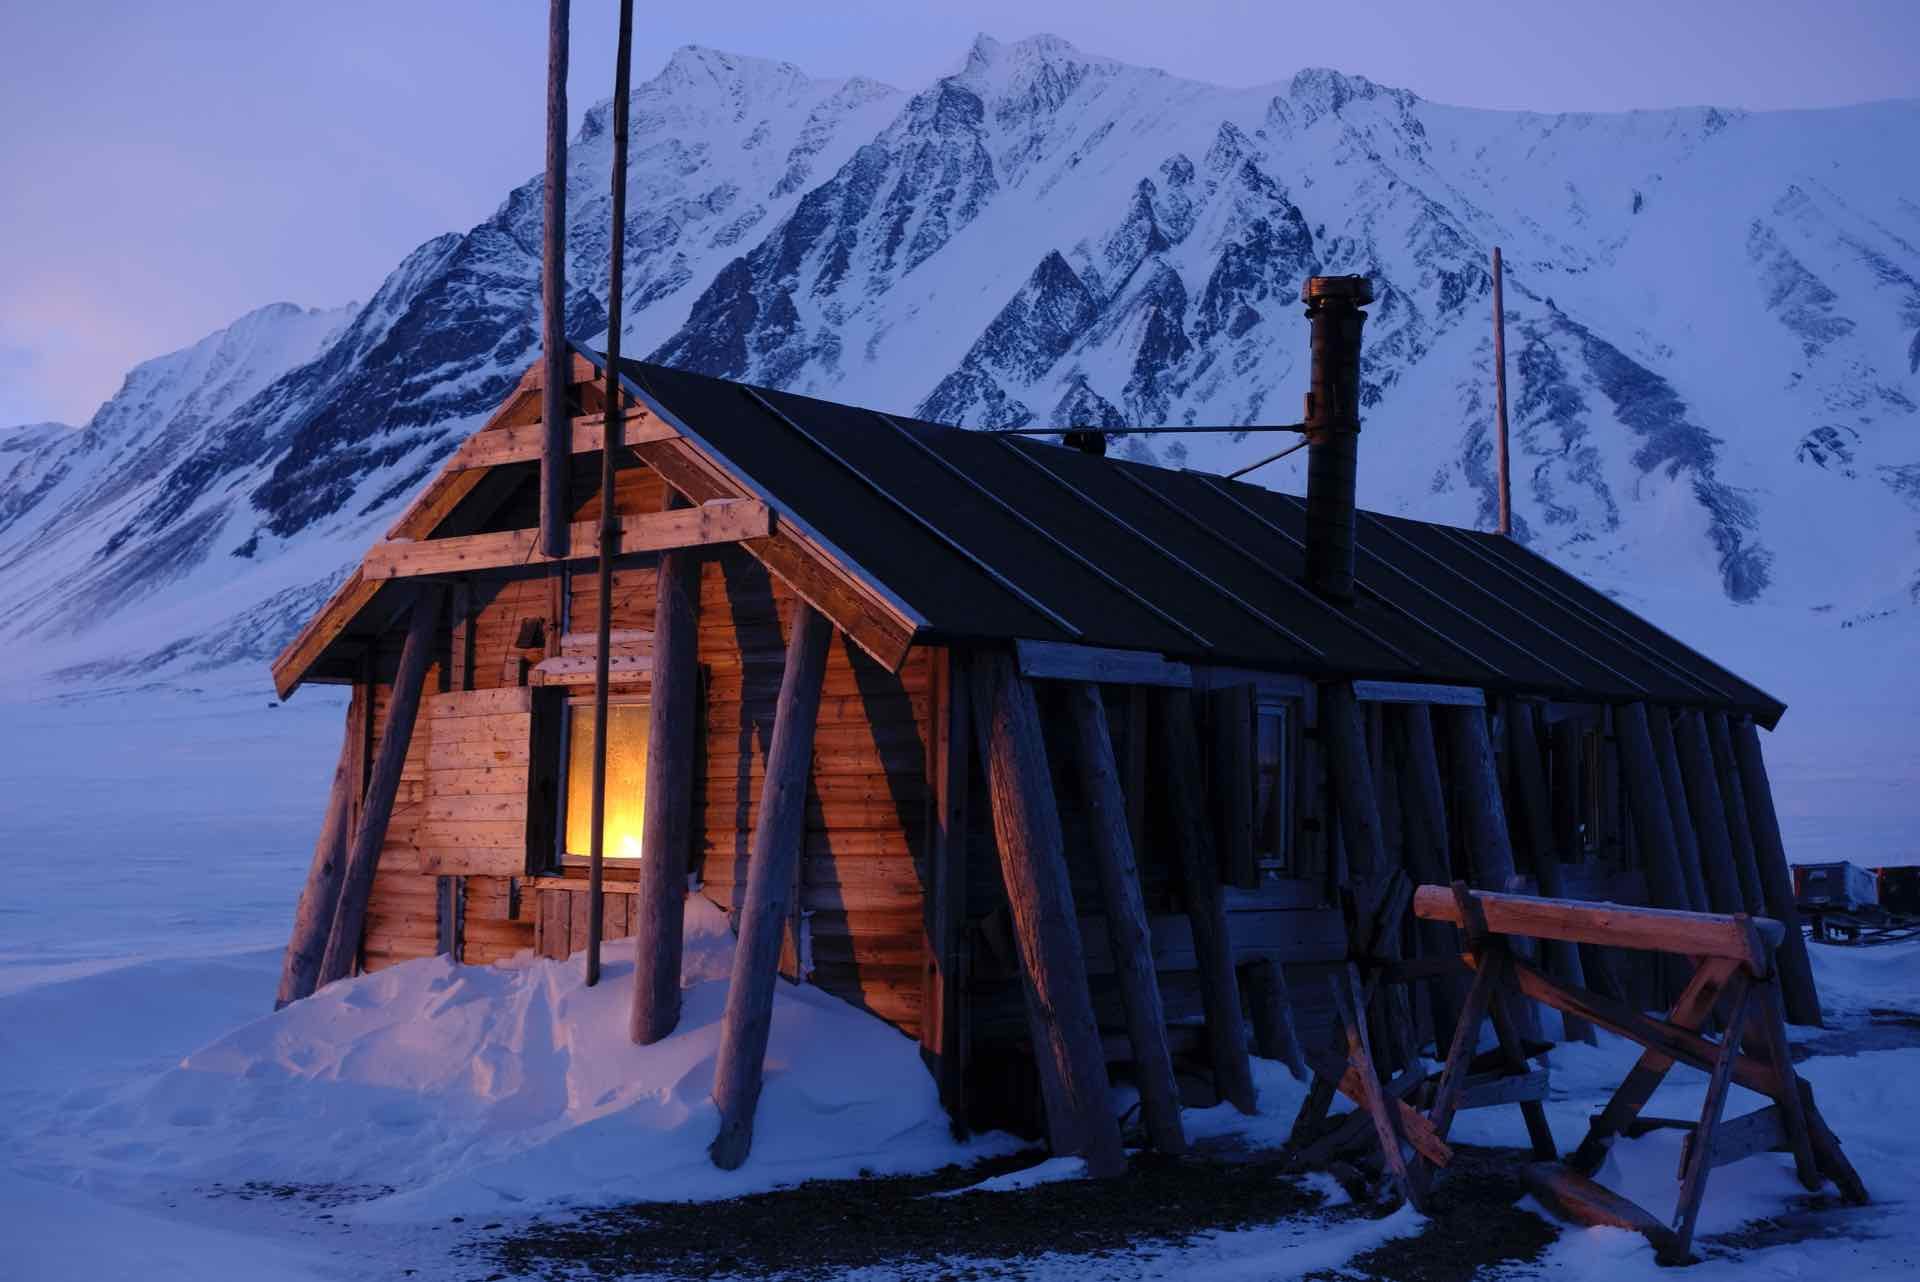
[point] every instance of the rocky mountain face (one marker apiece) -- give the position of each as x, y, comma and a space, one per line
1713, 329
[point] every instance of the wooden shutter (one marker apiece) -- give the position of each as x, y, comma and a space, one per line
1231, 779
479, 750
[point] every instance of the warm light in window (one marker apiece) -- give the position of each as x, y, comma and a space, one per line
626, 780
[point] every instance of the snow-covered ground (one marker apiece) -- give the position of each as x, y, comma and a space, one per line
151, 1107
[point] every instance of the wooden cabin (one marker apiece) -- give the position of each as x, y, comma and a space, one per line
1041, 660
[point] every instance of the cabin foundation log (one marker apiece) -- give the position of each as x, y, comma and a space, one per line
1776, 879
666, 818
775, 855
1709, 814
1733, 800
1686, 845
1205, 903
1653, 822
1424, 804
1026, 823
356, 884
313, 917
1126, 918
1476, 787
1528, 765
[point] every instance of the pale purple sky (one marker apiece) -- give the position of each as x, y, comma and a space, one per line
170, 166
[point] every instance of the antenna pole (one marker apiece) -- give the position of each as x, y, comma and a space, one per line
557, 444
610, 442
1500, 401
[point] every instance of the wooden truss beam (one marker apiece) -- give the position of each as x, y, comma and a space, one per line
724, 521
1748, 940
522, 443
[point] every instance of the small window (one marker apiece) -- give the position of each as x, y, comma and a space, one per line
1273, 788
626, 778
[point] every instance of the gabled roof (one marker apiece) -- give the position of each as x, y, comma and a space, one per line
939, 534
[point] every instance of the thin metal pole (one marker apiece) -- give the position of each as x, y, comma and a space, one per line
609, 523
1271, 458
1500, 399
557, 447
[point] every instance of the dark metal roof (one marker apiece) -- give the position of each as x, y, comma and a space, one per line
987, 536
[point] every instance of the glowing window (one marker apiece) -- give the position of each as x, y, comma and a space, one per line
626, 779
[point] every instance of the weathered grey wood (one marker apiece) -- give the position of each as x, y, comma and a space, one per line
1414, 692
313, 916
1352, 776
1466, 1039
1274, 1035
1026, 823
1766, 1023
1349, 1001
1686, 845
1423, 809
1528, 766
1690, 1010
1760, 1131
609, 522
1505, 1088
1693, 1181
1205, 904
1064, 661
1127, 930
778, 827
666, 820
1647, 802
1476, 790
1776, 880
557, 456
1708, 813
1733, 800
1231, 712
356, 884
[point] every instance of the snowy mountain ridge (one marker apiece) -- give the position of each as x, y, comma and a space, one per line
1713, 330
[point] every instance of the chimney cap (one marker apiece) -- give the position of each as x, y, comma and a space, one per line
1357, 290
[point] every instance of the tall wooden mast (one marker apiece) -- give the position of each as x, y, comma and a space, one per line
558, 451
609, 523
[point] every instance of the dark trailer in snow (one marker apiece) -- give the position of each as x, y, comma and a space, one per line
1064, 765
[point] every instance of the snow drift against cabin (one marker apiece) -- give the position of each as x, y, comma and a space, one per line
1714, 316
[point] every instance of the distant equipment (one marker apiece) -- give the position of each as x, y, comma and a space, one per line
1834, 887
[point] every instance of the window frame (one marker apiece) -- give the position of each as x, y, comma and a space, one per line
562, 858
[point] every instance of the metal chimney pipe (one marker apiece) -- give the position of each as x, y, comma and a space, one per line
1333, 428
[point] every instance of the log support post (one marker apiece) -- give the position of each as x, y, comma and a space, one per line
1776, 879
1476, 786
1686, 845
313, 917
1424, 805
356, 884
666, 820
1033, 864
778, 828
1529, 772
1127, 928
1205, 902
1733, 800
1709, 813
